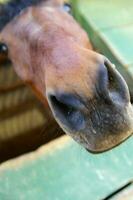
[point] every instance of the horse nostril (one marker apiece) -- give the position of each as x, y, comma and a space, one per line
111, 85
117, 87
67, 110
60, 104
102, 83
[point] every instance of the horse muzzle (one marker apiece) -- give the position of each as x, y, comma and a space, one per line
101, 122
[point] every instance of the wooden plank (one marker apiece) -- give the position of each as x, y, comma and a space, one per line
64, 170
126, 194
110, 28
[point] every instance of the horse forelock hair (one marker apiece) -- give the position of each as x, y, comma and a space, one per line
12, 8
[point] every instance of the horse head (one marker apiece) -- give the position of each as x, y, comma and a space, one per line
87, 95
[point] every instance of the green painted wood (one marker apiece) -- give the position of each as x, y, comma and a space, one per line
63, 170
125, 194
110, 28
121, 41
107, 14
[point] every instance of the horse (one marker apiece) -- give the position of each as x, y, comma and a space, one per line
50, 51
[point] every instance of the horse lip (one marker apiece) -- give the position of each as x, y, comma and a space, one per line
108, 149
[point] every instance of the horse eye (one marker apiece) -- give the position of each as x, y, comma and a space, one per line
67, 7
3, 48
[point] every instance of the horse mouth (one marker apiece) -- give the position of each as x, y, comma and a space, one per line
110, 147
